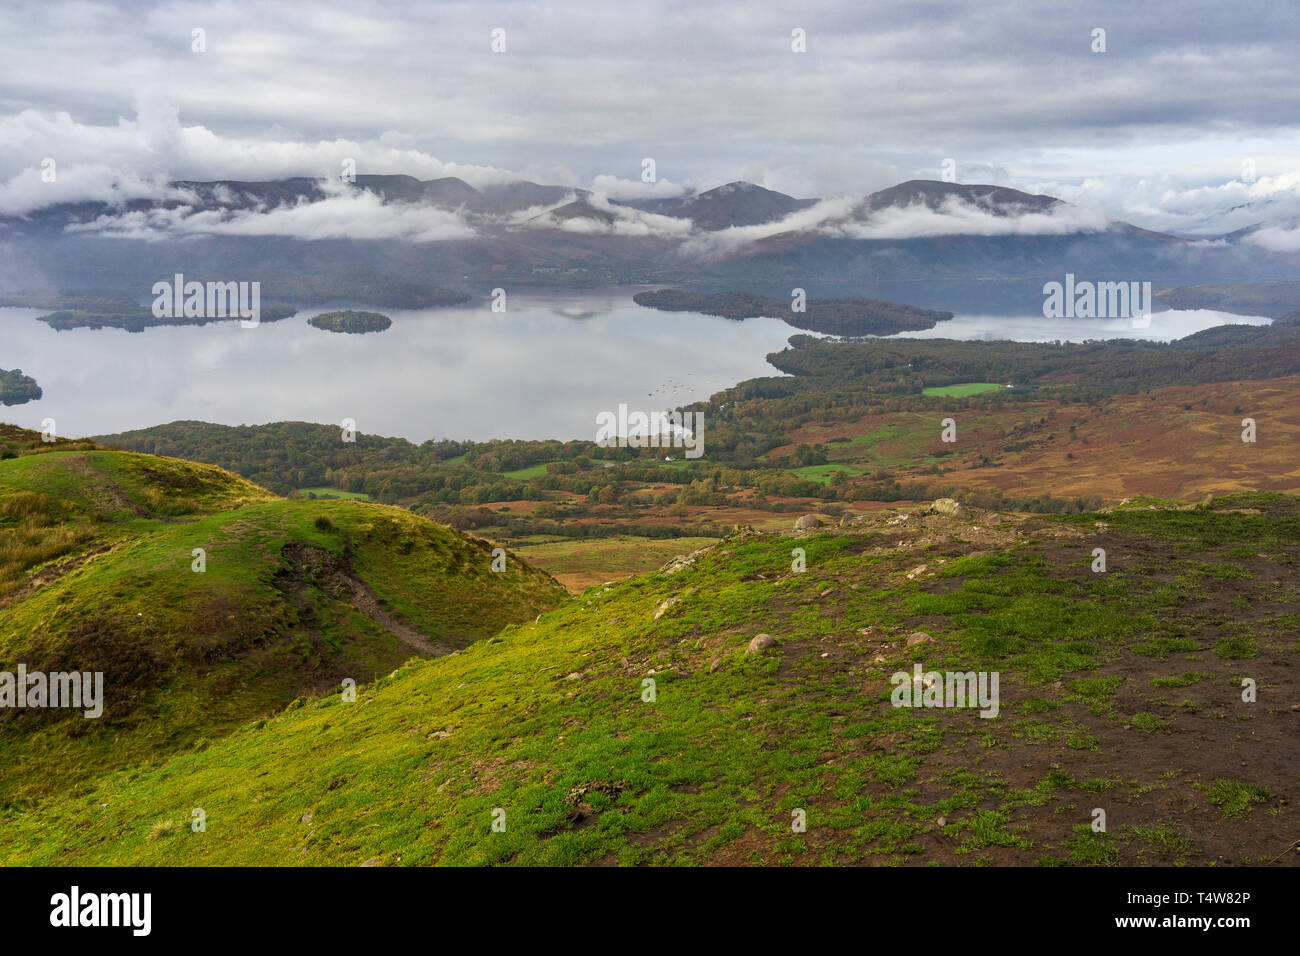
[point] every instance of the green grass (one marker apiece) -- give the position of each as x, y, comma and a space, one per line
823, 473
1234, 798
960, 391
324, 492
532, 471
97, 559
543, 715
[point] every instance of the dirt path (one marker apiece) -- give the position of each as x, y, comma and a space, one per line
367, 602
335, 577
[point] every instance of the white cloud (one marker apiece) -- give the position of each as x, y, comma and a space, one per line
353, 215
1276, 238
136, 157
957, 218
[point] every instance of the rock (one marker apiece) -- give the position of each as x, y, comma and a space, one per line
665, 606
807, 523
948, 506
760, 643
373, 861
918, 637
941, 821
306, 817
715, 664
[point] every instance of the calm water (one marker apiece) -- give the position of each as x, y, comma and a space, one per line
1164, 327
544, 369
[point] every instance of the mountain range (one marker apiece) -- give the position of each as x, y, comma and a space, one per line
448, 233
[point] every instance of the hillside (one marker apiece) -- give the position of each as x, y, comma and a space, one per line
99, 572
1119, 691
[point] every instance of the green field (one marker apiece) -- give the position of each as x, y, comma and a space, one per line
823, 473
605, 558
532, 471
960, 391
333, 493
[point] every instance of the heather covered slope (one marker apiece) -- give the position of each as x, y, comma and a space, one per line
207, 601
1119, 691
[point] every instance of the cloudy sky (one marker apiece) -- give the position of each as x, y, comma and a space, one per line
1188, 121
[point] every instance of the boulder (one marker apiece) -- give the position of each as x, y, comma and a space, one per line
948, 506
760, 643
807, 523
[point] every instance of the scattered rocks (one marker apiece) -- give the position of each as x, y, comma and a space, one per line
760, 643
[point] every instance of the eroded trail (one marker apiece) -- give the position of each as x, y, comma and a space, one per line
335, 577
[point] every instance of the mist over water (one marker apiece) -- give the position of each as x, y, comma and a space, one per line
543, 369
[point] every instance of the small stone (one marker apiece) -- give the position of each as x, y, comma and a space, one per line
941, 821
760, 643
373, 861
306, 817
574, 676
918, 637
715, 664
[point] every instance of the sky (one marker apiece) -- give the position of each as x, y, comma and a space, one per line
1188, 120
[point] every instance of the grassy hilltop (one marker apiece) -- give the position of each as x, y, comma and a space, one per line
98, 571
1119, 690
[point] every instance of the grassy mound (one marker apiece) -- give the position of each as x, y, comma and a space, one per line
207, 601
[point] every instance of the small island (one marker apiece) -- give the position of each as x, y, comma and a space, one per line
107, 311
849, 317
17, 388
350, 320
